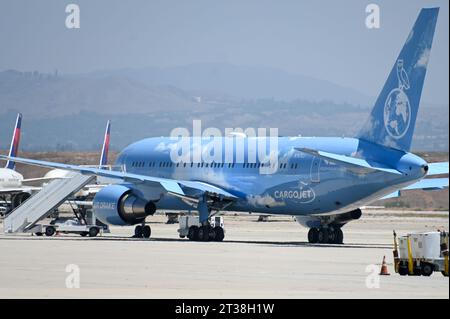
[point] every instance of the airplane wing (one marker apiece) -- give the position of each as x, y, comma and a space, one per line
170, 185
357, 164
40, 179
25, 189
437, 168
429, 184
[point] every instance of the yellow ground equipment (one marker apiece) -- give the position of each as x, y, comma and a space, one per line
421, 253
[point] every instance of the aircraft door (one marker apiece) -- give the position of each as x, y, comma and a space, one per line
315, 169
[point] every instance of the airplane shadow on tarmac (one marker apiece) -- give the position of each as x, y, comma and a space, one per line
251, 242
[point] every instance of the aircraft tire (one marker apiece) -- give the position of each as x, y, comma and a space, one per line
203, 233
339, 236
323, 236
212, 233
313, 236
332, 235
138, 231
220, 234
146, 231
193, 233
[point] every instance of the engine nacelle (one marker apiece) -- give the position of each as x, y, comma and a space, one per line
346, 217
118, 205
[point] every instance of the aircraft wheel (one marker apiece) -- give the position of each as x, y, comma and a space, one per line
18, 199
212, 233
323, 236
339, 236
220, 234
203, 233
38, 234
313, 235
146, 231
138, 231
84, 234
50, 231
331, 236
193, 233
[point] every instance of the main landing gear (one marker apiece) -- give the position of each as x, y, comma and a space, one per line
142, 231
206, 233
326, 235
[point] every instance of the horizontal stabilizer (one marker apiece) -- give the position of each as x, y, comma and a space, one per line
429, 184
437, 168
362, 164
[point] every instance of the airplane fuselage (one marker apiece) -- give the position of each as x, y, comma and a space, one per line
10, 178
302, 184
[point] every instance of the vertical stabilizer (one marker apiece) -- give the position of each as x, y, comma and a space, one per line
393, 118
15, 142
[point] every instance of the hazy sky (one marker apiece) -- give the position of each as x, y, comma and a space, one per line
324, 39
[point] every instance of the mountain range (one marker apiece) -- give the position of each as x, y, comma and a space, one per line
68, 111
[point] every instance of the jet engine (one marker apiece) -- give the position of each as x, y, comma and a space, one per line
19, 198
346, 217
120, 205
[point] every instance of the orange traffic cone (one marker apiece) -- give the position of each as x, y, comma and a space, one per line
384, 269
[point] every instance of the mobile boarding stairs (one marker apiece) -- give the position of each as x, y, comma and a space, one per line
39, 206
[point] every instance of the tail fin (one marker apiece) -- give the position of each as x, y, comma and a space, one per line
393, 117
15, 142
105, 148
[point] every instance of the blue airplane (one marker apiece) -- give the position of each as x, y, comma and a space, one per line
323, 182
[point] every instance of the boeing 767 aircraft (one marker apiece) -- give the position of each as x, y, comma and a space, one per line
323, 182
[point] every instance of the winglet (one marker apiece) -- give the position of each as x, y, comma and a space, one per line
105, 148
15, 142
